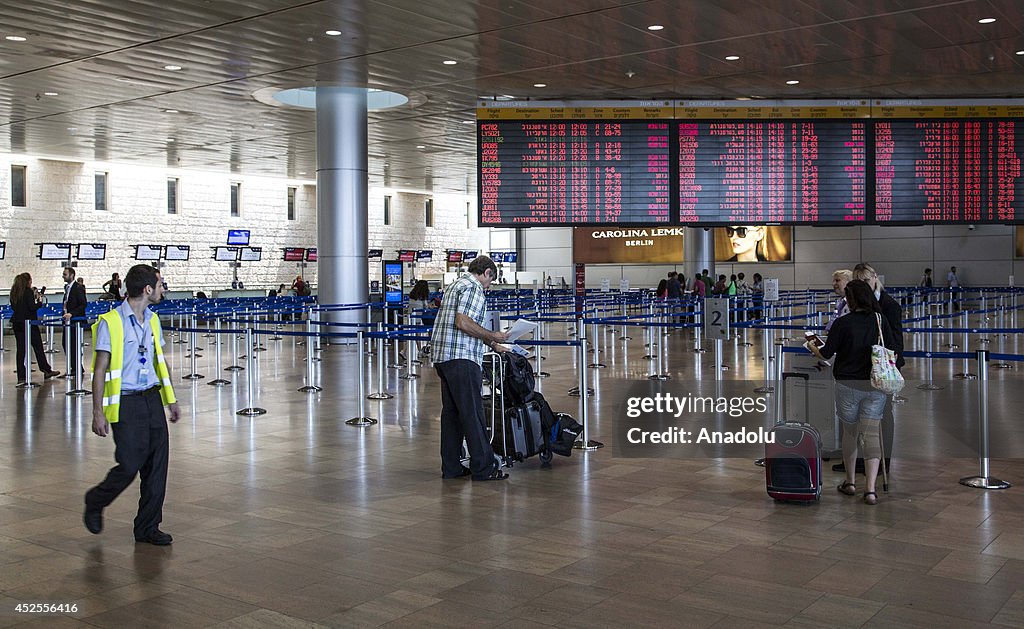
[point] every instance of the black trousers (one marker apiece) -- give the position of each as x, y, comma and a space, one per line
462, 416
72, 333
37, 347
140, 440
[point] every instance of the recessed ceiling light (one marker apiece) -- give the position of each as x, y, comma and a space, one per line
732, 58
986, 20
302, 172
420, 146
72, 128
268, 124
172, 68
792, 82
449, 62
540, 84
170, 111
332, 33
655, 27
15, 38
469, 122
1019, 52
168, 140
743, 98
50, 94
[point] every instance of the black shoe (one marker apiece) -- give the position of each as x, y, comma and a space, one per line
93, 519
50, 374
465, 472
496, 474
839, 467
156, 538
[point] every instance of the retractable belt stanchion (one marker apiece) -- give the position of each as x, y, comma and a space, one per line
719, 367
28, 384
361, 419
649, 332
930, 385
65, 332
193, 375
381, 394
596, 345
314, 313
218, 381
767, 388
79, 390
966, 373
538, 334
410, 360
250, 379
2, 348
50, 349
309, 387
255, 317
234, 354
658, 363
983, 480
622, 333
278, 318
397, 358
584, 443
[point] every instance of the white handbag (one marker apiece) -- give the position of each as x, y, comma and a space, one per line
884, 375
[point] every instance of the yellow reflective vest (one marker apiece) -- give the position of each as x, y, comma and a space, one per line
112, 379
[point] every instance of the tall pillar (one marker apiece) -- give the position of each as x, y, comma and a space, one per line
341, 200
699, 251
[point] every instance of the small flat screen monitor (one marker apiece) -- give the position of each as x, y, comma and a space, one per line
3, 250
238, 237
225, 254
55, 251
148, 253
512, 256
455, 257
406, 255
176, 252
251, 254
393, 279
424, 255
92, 251
311, 254
375, 253
294, 254
469, 256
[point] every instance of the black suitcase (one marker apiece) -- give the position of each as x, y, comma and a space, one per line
524, 434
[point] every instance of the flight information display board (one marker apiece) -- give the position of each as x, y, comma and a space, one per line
575, 166
752, 172
949, 171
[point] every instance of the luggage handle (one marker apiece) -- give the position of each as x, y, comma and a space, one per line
786, 375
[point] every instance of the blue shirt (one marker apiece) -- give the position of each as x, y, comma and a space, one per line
135, 334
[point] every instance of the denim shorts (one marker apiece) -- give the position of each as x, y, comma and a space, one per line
852, 404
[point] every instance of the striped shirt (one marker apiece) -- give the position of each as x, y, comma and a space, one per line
447, 342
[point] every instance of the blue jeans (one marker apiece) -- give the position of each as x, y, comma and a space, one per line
853, 404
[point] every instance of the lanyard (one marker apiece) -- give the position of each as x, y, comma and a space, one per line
141, 340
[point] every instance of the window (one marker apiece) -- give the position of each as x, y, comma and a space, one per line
236, 199
172, 195
100, 191
291, 203
387, 209
428, 210
19, 186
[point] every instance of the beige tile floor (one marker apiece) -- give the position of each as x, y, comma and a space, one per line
294, 519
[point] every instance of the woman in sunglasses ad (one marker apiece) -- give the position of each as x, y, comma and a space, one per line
753, 243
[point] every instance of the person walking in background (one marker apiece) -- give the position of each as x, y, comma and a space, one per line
952, 280
675, 289
75, 302
25, 302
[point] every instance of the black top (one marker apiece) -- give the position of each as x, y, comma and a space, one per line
76, 300
850, 341
26, 308
675, 289
893, 313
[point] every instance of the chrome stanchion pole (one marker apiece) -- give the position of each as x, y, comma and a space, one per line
658, 362
966, 374
983, 480
79, 390
596, 344
50, 348
250, 379
361, 419
309, 387
218, 381
193, 375
28, 384
718, 360
768, 361
234, 353
584, 443
381, 394
397, 358
1002, 336
930, 385
65, 334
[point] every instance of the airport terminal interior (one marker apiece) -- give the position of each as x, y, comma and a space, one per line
132, 128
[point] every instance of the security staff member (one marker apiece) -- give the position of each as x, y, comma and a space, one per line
130, 387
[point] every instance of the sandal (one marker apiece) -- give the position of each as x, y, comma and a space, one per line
496, 474
870, 498
848, 488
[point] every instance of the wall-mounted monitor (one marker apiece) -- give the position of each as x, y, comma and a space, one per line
55, 251
148, 253
375, 253
294, 254
176, 252
3, 250
238, 237
424, 255
512, 256
470, 255
225, 254
406, 255
92, 251
454, 257
250, 254
311, 254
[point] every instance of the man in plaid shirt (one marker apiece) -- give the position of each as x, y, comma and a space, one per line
457, 347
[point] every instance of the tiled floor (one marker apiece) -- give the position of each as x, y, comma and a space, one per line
294, 519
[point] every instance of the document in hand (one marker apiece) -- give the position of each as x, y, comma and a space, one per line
521, 328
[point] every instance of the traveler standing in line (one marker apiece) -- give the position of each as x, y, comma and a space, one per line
675, 289
757, 294
130, 387
858, 404
840, 278
113, 286
699, 288
25, 302
731, 289
662, 291
457, 346
75, 302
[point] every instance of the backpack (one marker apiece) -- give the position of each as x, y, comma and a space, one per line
518, 385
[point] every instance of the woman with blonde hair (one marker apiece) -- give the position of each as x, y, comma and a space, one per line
25, 302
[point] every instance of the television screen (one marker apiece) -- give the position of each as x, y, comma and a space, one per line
424, 255
225, 254
294, 254
468, 256
238, 237
92, 251
375, 253
251, 254
148, 253
176, 252
455, 256
55, 251
393, 276
311, 254
407, 255
512, 256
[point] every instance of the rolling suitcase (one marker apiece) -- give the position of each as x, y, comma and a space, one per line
792, 459
524, 435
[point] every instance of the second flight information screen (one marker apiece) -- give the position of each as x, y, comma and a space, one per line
573, 172
772, 171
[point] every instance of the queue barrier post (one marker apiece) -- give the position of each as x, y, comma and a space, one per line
192, 375
361, 420
79, 390
381, 394
28, 384
584, 443
309, 387
217, 382
251, 410
984, 479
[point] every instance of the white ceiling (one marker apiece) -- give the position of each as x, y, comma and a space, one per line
106, 58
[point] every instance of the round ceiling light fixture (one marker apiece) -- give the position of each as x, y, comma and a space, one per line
305, 97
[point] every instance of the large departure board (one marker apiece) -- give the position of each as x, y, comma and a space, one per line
574, 172
948, 171
752, 172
